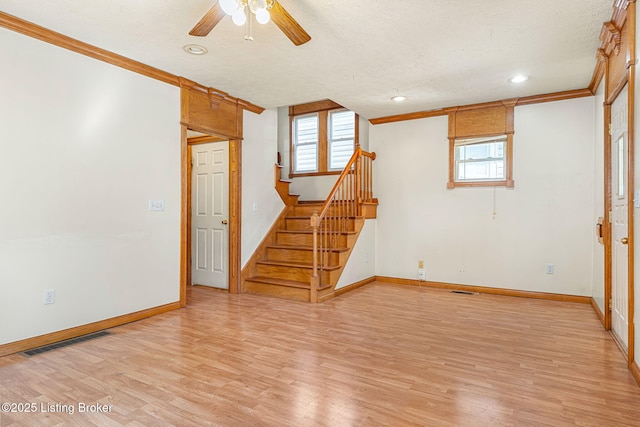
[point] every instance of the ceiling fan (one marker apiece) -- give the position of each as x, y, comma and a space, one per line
262, 9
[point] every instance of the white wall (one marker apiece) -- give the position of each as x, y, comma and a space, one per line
546, 219
259, 149
361, 263
597, 289
84, 146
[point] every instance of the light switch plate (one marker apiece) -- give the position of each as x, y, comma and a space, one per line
156, 205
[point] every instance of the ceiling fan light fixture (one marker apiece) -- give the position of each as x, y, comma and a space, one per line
239, 18
229, 6
195, 49
262, 16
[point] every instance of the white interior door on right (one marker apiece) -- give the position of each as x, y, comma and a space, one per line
619, 220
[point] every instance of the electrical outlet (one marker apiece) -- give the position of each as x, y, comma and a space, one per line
421, 274
420, 264
49, 296
156, 205
550, 269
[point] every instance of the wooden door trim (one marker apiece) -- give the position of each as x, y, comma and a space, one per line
623, 27
608, 256
185, 215
631, 65
235, 217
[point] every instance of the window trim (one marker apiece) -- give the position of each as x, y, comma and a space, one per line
464, 142
322, 109
317, 143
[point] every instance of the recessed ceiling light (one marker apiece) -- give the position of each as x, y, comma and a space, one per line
519, 78
398, 98
195, 49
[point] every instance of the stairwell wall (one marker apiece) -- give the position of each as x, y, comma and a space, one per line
546, 219
361, 263
261, 203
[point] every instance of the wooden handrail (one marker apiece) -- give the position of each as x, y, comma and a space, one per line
353, 187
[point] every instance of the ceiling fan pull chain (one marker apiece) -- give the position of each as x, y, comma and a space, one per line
248, 35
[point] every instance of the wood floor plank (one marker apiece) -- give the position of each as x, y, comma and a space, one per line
379, 355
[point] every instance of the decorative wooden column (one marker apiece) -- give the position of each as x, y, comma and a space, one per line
213, 112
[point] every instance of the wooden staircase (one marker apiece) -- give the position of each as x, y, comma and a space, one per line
283, 264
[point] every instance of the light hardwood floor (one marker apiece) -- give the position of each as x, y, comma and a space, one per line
380, 355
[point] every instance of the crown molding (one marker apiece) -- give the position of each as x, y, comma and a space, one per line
30, 29
409, 116
515, 102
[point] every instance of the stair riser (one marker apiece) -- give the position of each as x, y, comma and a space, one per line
277, 291
304, 224
290, 273
306, 210
343, 241
298, 255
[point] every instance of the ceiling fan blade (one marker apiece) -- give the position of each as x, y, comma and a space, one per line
288, 25
208, 21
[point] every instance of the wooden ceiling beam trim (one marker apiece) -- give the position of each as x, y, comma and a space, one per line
534, 99
598, 72
555, 96
313, 107
408, 116
46, 35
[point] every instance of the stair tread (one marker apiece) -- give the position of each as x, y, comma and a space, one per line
304, 248
310, 202
311, 231
298, 264
309, 217
283, 282
288, 181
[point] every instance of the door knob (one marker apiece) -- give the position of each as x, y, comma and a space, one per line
624, 240
225, 222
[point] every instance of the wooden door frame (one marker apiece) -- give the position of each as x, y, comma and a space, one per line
617, 57
609, 191
212, 114
235, 218
613, 86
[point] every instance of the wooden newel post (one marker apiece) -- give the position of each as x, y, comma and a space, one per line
359, 185
315, 279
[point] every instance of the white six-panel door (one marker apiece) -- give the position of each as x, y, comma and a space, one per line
619, 220
209, 216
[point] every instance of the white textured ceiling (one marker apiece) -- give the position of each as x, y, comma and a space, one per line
439, 53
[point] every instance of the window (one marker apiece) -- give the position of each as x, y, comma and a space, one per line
341, 138
322, 142
305, 130
480, 159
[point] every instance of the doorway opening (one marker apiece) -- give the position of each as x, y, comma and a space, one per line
207, 211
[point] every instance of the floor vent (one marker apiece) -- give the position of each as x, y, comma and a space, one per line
64, 343
463, 292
